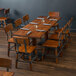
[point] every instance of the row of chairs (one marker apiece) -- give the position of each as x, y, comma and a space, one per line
21, 21
17, 23
9, 30
59, 39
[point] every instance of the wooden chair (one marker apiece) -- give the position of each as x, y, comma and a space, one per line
7, 63
25, 50
6, 12
54, 15
18, 23
67, 29
67, 33
24, 19
9, 29
27, 18
56, 45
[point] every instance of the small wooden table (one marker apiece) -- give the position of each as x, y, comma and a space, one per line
4, 73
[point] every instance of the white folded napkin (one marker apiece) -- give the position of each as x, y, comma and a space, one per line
40, 18
22, 25
33, 23
28, 32
48, 17
40, 30
24, 28
46, 24
53, 19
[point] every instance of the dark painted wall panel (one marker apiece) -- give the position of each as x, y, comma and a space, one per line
20, 7
67, 8
35, 8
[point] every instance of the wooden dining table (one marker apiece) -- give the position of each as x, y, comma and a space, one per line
4, 73
38, 27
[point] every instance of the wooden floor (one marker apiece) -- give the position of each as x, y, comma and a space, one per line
66, 66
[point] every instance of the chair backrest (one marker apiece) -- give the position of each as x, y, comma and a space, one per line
20, 41
27, 17
59, 37
6, 11
54, 14
24, 19
70, 21
18, 22
7, 63
8, 28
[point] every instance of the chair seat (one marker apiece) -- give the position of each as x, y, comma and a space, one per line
30, 49
51, 43
11, 40
55, 37
58, 30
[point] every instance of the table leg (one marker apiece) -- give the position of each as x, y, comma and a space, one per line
34, 41
46, 35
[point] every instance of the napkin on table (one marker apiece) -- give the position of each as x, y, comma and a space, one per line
24, 28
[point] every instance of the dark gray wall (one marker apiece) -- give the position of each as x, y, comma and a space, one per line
20, 7
67, 8
34, 8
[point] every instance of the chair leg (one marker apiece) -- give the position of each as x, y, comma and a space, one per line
43, 54
15, 46
36, 55
30, 63
61, 54
69, 40
8, 48
16, 60
56, 54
